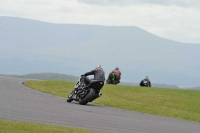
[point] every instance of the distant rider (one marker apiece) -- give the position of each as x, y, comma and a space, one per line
146, 80
117, 74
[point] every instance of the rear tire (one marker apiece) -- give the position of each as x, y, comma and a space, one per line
88, 98
108, 81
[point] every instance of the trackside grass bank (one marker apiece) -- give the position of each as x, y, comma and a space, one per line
7, 126
176, 103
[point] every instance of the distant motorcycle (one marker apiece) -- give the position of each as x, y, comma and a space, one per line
145, 83
112, 80
85, 92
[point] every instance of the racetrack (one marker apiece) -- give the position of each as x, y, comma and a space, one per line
20, 103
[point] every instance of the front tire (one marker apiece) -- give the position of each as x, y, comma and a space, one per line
69, 100
88, 98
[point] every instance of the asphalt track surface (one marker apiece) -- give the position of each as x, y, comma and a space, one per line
20, 103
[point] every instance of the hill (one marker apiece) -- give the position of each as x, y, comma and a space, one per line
29, 46
48, 76
58, 76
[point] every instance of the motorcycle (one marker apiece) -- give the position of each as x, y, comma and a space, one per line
145, 83
85, 90
112, 80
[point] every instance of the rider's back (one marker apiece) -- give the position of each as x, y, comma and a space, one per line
98, 73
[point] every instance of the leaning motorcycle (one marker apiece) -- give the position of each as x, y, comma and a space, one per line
85, 90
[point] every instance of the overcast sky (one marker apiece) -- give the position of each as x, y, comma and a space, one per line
177, 20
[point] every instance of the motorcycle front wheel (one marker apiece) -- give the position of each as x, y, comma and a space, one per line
70, 99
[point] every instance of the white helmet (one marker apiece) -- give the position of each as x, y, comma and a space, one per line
99, 67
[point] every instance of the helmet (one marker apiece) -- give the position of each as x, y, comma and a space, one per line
98, 67
147, 78
116, 68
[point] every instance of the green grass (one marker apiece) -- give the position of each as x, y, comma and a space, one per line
22, 127
176, 103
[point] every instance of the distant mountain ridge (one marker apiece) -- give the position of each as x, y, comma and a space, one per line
30, 46
48, 76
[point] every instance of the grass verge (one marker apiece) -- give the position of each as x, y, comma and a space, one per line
176, 103
7, 126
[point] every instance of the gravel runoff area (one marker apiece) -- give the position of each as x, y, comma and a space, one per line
20, 103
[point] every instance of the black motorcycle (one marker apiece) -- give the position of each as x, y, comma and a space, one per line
145, 83
85, 90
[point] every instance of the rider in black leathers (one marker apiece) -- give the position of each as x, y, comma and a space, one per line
98, 73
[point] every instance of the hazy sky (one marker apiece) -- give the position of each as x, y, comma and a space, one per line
177, 20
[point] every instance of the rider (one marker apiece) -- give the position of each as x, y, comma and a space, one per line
98, 73
117, 74
146, 79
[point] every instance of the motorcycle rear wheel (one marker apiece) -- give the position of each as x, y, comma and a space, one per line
90, 96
